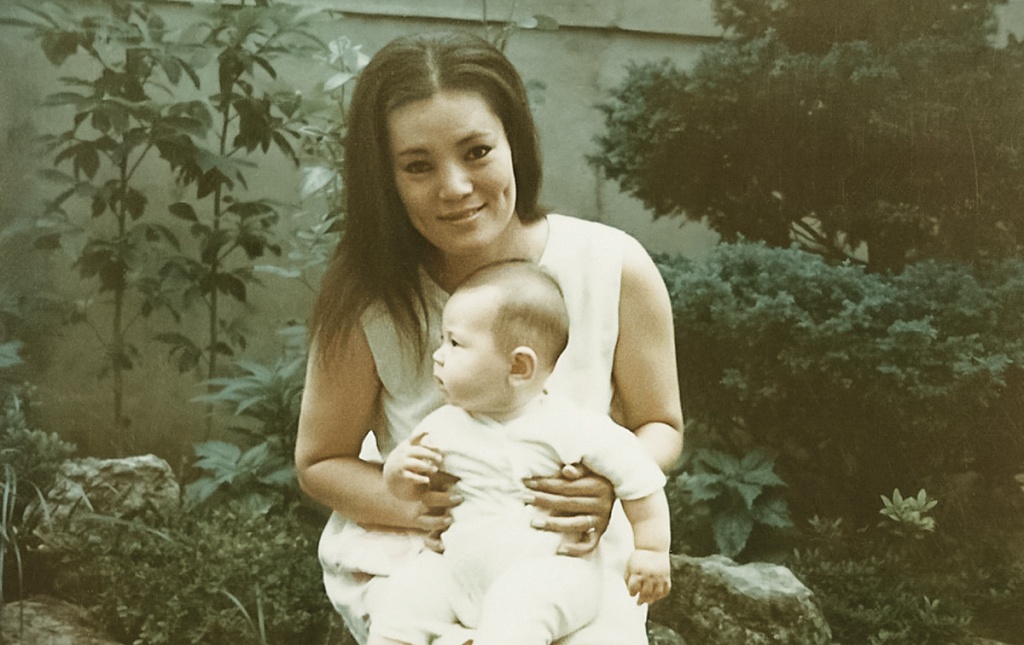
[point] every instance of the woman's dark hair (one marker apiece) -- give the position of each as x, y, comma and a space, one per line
380, 252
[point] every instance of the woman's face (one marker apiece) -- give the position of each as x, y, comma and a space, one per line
453, 170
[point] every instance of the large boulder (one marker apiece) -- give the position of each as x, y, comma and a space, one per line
48, 621
133, 487
715, 601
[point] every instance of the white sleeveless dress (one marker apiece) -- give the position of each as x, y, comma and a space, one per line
586, 259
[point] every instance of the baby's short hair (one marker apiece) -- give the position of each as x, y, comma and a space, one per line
532, 310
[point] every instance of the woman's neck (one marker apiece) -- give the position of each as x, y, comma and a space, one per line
522, 240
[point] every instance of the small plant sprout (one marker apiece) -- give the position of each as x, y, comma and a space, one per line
910, 514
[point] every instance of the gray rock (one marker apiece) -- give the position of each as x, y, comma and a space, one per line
716, 601
142, 486
48, 621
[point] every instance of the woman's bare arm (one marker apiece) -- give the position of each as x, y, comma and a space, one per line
646, 401
338, 406
645, 374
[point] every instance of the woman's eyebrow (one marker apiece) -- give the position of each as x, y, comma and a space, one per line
418, 150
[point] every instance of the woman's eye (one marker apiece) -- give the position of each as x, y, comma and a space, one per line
478, 152
416, 167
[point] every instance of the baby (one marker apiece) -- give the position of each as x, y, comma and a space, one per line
502, 332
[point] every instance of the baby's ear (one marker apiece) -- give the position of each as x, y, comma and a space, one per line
524, 364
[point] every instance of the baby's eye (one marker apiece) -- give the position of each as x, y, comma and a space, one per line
478, 152
453, 342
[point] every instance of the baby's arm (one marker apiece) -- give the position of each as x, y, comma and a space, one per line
648, 572
409, 467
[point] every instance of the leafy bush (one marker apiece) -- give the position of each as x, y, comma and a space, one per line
127, 107
267, 399
738, 495
256, 479
186, 582
33, 454
859, 382
885, 127
29, 460
912, 587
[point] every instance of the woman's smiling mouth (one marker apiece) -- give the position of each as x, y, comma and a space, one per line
461, 216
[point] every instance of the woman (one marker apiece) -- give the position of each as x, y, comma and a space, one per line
442, 174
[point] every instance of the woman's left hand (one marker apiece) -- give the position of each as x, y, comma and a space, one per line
578, 504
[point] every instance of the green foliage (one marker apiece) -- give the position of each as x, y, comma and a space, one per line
268, 399
254, 479
858, 382
738, 495
815, 25
910, 515
126, 107
232, 230
878, 587
97, 212
500, 33
187, 582
29, 460
845, 126
33, 454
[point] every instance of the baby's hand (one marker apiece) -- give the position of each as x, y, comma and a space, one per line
410, 465
648, 575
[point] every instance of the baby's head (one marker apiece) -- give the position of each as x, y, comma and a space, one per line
503, 331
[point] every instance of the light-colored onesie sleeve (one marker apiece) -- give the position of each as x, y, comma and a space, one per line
615, 453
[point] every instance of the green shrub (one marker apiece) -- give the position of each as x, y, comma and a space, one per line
905, 587
874, 128
29, 460
737, 495
33, 454
859, 382
185, 582
266, 399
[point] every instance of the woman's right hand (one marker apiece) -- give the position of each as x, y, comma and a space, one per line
437, 503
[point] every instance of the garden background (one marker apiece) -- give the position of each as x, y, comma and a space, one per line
833, 191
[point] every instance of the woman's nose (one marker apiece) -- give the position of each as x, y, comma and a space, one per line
455, 182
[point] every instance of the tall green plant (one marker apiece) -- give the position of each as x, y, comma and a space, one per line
132, 110
232, 229
116, 122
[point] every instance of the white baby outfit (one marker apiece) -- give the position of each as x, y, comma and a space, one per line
499, 575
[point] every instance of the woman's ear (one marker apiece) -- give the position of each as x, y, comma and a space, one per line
524, 364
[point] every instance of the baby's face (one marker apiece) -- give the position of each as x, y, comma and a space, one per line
470, 369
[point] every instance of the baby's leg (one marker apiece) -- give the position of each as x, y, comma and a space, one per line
415, 606
538, 601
